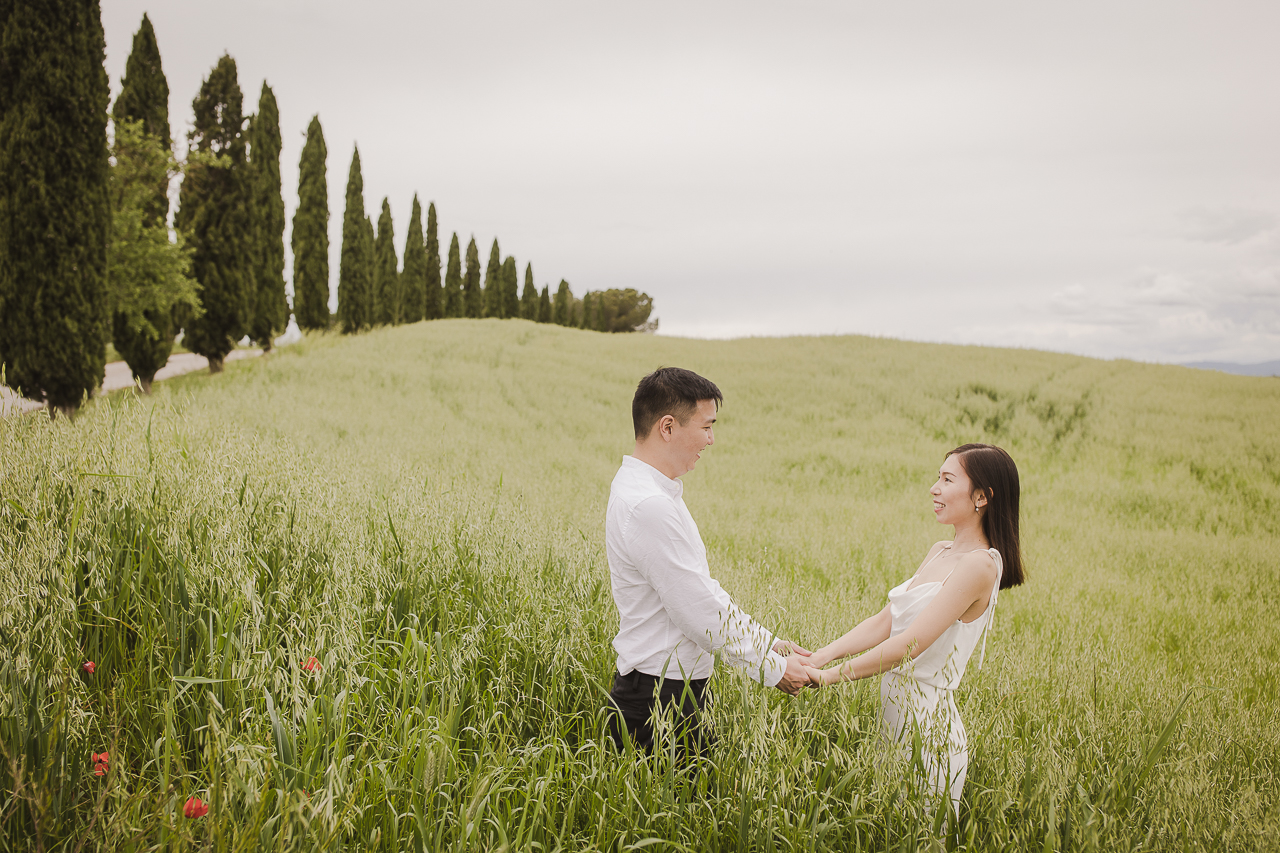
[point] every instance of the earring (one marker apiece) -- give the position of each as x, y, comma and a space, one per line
977, 508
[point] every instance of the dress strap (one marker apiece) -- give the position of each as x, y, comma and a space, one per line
991, 607
941, 551
944, 549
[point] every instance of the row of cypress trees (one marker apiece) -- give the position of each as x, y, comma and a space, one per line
85, 248
86, 253
374, 290
371, 292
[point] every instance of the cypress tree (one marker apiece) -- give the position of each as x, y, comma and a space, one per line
271, 306
472, 295
215, 203
544, 305
454, 304
144, 97
368, 255
386, 281
413, 281
147, 276
585, 321
562, 308
354, 282
310, 238
529, 299
435, 304
510, 289
55, 217
493, 301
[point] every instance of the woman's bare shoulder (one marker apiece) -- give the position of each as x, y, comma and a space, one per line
978, 564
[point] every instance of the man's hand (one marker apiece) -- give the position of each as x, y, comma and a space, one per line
794, 678
786, 647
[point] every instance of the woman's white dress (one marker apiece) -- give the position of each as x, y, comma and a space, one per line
917, 697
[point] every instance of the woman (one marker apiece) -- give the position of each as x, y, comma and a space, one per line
922, 639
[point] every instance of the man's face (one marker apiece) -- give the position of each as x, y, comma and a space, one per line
688, 440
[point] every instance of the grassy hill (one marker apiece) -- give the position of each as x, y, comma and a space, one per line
421, 509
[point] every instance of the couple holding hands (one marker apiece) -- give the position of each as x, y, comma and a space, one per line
674, 618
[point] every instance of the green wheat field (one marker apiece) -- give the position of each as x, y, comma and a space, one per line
421, 510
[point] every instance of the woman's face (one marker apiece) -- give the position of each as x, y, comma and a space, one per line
954, 499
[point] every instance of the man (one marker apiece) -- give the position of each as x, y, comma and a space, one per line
673, 616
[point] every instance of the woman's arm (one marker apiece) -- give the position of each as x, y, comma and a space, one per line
865, 634
971, 581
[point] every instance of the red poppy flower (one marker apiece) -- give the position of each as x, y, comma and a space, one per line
195, 808
89, 666
311, 664
102, 757
100, 766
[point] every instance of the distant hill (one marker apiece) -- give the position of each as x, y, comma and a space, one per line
1265, 368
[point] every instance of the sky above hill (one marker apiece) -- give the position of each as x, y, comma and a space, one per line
1095, 178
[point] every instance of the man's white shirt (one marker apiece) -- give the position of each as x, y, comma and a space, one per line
672, 614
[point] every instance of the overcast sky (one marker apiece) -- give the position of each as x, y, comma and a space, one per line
1097, 178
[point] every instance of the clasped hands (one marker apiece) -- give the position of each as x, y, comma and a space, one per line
799, 673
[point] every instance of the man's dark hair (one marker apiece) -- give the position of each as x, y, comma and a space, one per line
670, 391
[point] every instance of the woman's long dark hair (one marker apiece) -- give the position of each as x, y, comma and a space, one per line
992, 472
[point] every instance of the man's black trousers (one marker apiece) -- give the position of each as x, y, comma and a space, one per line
633, 699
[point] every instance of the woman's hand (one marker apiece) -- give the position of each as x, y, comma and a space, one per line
817, 677
819, 658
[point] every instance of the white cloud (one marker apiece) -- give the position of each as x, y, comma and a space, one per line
1156, 315
1228, 226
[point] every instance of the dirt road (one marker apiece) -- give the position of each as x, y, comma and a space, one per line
119, 376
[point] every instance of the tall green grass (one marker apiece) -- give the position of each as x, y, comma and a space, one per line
421, 509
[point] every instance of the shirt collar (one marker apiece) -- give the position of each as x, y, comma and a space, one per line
675, 488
